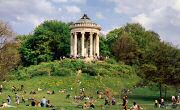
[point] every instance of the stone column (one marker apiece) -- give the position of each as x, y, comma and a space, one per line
94, 45
91, 45
72, 44
82, 44
75, 44
97, 44
87, 48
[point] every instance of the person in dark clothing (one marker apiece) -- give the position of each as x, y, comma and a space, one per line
113, 101
124, 104
92, 106
106, 101
33, 103
1, 88
22, 87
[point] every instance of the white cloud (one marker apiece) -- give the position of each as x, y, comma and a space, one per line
143, 19
79, 1
27, 13
99, 15
60, 1
162, 16
73, 9
59, 9
70, 1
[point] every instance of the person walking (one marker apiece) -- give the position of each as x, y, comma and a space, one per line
17, 98
124, 104
9, 100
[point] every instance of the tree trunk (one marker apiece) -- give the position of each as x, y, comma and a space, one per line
160, 89
165, 96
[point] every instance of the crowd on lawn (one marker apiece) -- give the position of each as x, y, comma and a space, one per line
89, 101
21, 99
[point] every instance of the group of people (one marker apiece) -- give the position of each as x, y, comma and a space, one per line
134, 107
159, 103
43, 103
175, 101
9, 101
87, 102
20, 98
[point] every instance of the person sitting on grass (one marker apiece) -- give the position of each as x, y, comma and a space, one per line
13, 89
68, 96
43, 102
85, 106
113, 101
38, 104
139, 107
5, 105
134, 107
106, 101
33, 103
32, 92
22, 87
92, 106
178, 99
100, 94
49, 105
50, 92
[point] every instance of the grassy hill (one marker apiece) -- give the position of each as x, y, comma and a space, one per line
72, 75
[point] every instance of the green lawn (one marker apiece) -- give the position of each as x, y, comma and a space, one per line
91, 84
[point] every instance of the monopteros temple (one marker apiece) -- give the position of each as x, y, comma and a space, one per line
85, 38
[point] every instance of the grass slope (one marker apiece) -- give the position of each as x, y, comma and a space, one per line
65, 74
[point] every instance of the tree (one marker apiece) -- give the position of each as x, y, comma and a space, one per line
126, 49
146, 40
104, 48
163, 67
50, 41
156, 61
5, 33
9, 59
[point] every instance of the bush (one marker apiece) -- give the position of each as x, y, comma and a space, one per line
111, 61
78, 64
102, 71
69, 67
90, 70
72, 64
62, 72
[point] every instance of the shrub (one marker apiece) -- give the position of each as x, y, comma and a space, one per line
90, 70
102, 72
62, 72
111, 61
78, 64
67, 67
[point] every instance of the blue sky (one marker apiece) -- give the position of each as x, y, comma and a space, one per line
161, 16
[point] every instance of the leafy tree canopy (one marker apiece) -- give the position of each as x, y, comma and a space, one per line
156, 60
49, 41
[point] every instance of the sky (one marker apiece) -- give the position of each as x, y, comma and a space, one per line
161, 16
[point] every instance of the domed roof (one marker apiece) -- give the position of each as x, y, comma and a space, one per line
85, 21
